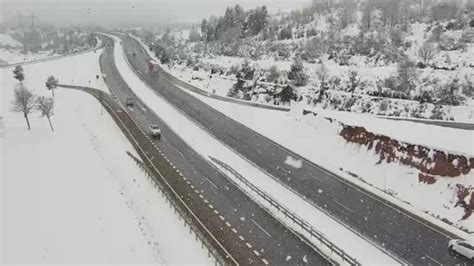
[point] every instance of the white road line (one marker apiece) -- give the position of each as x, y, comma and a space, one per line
234, 231
228, 224
248, 245
215, 211
241, 237
343, 206
256, 253
221, 217
210, 206
439, 263
261, 228
265, 261
212, 183
206, 201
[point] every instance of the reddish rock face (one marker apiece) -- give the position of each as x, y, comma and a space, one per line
428, 161
427, 179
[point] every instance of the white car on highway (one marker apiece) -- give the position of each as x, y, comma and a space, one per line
155, 131
462, 247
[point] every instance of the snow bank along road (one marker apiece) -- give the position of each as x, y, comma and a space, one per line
239, 226
393, 228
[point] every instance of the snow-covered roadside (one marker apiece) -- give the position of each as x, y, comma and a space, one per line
74, 195
401, 181
454, 140
308, 135
13, 56
207, 146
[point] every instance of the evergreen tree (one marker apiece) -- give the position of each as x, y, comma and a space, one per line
18, 74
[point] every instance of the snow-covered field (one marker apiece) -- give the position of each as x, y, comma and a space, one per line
13, 56
74, 195
207, 146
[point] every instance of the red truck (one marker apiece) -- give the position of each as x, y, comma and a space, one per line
153, 66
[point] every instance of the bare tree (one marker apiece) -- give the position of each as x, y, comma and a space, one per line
45, 106
24, 102
18, 74
51, 84
427, 52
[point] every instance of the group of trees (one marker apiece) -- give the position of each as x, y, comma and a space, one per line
234, 24
26, 102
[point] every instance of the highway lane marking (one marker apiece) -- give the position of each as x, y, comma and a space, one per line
228, 224
358, 188
192, 186
343, 206
196, 191
234, 231
439, 263
212, 183
265, 261
201, 196
216, 212
210, 206
261, 228
221, 217
241, 238
206, 201
256, 253
161, 175
248, 245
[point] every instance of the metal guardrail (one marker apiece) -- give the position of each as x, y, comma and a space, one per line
292, 216
181, 214
100, 96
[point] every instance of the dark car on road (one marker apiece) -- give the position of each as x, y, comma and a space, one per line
129, 102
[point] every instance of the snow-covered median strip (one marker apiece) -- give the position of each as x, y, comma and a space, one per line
206, 145
73, 195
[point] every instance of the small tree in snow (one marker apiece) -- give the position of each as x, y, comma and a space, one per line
18, 74
51, 84
297, 74
427, 52
24, 102
45, 106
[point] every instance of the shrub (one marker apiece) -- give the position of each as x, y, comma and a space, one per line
246, 71
287, 94
297, 73
285, 33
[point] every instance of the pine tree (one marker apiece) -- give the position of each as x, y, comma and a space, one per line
18, 74
51, 84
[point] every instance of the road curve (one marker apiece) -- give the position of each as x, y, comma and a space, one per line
391, 227
246, 230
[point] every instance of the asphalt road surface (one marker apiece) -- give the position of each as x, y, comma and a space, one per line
247, 231
391, 227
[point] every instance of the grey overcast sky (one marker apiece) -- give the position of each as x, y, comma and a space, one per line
131, 12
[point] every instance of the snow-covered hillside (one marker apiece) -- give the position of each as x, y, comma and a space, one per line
74, 195
330, 58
